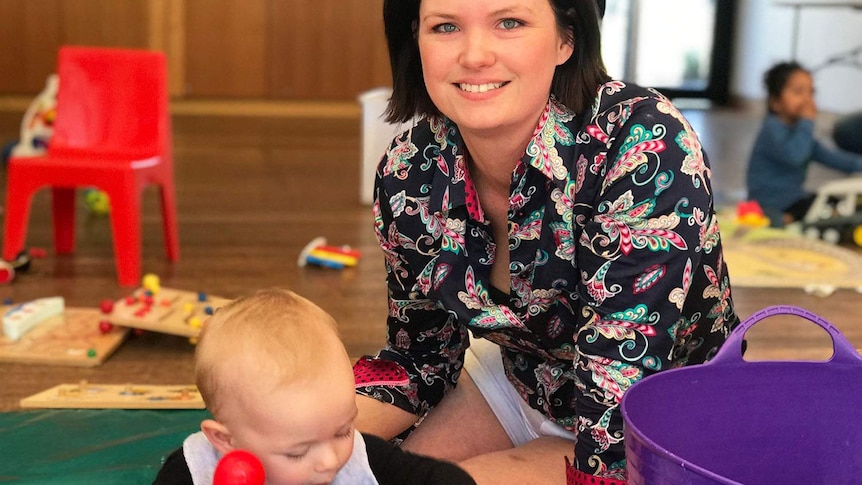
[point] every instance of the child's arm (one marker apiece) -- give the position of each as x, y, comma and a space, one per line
794, 144
393, 466
838, 159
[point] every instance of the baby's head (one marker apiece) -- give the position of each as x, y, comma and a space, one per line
789, 88
279, 383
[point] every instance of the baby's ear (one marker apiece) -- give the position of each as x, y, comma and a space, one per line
218, 435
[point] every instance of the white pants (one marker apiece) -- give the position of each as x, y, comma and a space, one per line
522, 423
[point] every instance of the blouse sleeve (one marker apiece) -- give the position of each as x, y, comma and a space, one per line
425, 346
641, 258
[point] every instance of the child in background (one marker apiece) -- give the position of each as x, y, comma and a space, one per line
786, 146
279, 384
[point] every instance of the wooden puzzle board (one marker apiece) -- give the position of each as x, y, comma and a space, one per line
71, 338
119, 396
169, 313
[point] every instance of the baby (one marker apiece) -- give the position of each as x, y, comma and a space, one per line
279, 384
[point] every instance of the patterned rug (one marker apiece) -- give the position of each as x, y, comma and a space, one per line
773, 258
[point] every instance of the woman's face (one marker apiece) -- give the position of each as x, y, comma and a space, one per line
488, 64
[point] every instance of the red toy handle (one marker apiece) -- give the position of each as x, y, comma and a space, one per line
239, 467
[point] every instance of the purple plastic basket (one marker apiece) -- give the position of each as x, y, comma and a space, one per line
735, 422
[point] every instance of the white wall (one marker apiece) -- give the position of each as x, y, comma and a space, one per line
764, 36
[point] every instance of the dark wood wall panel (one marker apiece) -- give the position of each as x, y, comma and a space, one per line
226, 54
329, 49
113, 23
30, 31
258, 49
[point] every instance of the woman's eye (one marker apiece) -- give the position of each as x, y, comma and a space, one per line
445, 28
509, 24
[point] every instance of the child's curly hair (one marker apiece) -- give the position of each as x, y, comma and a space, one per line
776, 78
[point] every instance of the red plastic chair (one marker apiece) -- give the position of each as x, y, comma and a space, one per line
113, 132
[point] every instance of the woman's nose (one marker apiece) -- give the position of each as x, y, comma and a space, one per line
477, 50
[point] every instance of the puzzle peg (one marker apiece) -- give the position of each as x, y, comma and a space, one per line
239, 467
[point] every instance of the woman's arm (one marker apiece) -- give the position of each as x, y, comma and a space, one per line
425, 344
654, 288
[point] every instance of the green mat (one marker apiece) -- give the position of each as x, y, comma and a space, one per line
87, 447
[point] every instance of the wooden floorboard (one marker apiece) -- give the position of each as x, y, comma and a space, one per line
253, 190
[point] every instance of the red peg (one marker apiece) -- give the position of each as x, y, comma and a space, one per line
239, 467
105, 326
107, 306
37, 253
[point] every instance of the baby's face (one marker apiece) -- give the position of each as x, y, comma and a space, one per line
302, 432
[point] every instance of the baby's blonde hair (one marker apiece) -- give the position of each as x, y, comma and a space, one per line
275, 335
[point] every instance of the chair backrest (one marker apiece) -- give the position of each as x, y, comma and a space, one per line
111, 101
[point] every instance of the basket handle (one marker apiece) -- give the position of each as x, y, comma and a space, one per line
843, 351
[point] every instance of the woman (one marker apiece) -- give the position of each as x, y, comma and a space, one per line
564, 219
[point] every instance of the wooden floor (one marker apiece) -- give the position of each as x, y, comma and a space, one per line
252, 191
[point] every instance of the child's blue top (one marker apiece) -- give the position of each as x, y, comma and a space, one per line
779, 163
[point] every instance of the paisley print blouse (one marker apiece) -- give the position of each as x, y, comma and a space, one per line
615, 260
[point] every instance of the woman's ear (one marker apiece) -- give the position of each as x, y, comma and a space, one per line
567, 47
218, 435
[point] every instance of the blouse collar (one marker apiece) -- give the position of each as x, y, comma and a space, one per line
451, 179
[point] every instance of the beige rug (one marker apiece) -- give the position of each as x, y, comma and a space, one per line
773, 258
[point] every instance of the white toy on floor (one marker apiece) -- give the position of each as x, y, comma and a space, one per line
836, 212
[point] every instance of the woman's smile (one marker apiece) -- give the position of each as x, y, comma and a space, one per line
499, 56
480, 88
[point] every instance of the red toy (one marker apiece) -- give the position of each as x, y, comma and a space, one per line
112, 131
7, 272
750, 214
239, 467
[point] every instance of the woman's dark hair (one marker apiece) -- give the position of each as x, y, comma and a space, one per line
776, 78
575, 82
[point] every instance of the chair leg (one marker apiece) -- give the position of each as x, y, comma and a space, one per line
126, 229
19, 195
63, 210
169, 221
